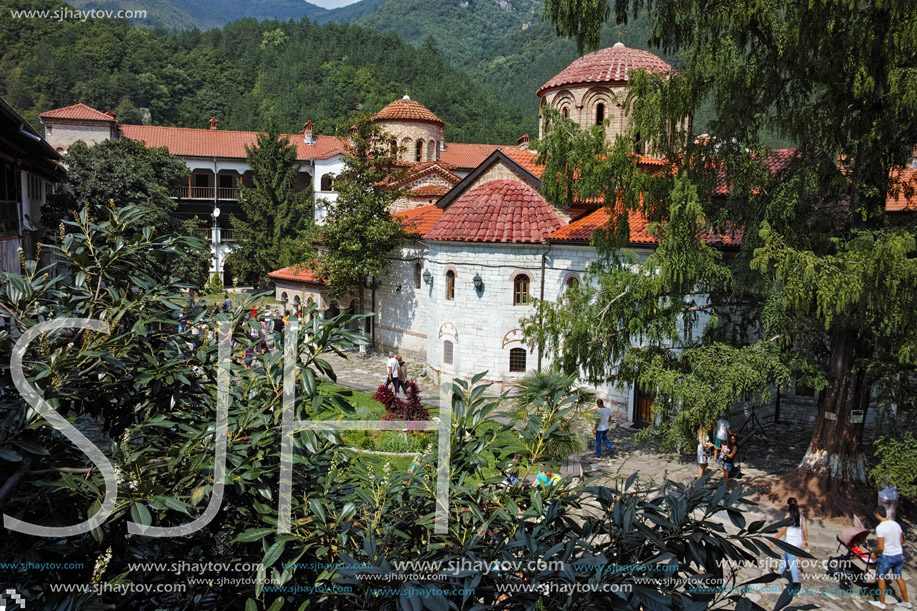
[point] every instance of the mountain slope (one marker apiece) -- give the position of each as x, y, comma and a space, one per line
248, 74
206, 14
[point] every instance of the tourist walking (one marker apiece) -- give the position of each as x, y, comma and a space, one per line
391, 369
402, 373
730, 459
797, 535
600, 429
704, 450
890, 552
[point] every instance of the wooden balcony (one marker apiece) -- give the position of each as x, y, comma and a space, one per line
206, 234
206, 193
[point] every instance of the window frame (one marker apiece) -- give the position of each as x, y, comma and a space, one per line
450, 285
517, 280
451, 352
418, 271
514, 359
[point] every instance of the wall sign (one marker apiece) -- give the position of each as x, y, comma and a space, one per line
856, 416
830, 416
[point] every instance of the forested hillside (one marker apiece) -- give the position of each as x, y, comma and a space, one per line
207, 14
246, 74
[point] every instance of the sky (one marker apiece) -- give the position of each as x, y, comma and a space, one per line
333, 3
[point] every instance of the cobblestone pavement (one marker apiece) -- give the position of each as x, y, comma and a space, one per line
764, 461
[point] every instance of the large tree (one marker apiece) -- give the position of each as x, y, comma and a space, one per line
129, 173
831, 282
275, 230
360, 232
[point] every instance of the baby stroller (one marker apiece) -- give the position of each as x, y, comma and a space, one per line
853, 567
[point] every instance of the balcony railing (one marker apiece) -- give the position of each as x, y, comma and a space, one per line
222, 193
206, 233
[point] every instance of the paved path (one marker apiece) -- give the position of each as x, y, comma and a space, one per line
765, 461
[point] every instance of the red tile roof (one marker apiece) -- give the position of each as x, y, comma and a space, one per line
497, 211
296, 273
419, 220
525, 158
468, 156
611, 65
407, 109
188, 142
902, 194
776, 160
77, 111
582, 229
429, 191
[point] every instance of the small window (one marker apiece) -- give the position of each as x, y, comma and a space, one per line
418, 151
394, 149
327, 183
599, 113
566, 112
572, 282
447, 352
521, 290
517, 360
417, 271
638, 146
450, 285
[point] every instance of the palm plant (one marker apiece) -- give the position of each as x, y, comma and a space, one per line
555, 399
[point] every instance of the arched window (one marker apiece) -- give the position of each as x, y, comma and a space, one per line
327, 183
599, 113
418, 151
521, 290
517, 360
447, 352
566, 112
438, 149
450, 285
431, 148
572, 282
417, 269
394, 149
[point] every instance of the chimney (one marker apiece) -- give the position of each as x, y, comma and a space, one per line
111, 114
213, 122
354, 131
307, 133
523, 142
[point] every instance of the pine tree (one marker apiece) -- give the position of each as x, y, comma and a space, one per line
275, 230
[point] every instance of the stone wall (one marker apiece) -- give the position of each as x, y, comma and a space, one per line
581, 104
60, 135
406, 134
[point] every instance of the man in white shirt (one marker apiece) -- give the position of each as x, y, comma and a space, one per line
600, 430
392, 369
890, 553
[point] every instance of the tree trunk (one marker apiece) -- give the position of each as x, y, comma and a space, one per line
833, 471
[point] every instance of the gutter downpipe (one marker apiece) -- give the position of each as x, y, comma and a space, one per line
544, 257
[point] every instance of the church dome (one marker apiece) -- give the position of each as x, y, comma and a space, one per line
407, 109
611, 65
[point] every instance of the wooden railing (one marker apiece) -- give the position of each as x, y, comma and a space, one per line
223, 193
206, 233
